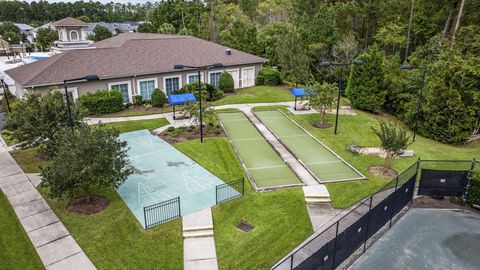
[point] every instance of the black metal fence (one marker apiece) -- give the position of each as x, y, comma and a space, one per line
162, 212
229, 191
338, 242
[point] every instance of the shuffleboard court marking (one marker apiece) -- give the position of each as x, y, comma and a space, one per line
145, 190
247, 139
323, 162
195, 183
267, 167
293, 136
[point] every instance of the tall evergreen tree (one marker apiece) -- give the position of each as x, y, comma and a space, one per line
366, 88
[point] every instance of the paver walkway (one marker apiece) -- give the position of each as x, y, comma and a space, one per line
54, 244
199, 243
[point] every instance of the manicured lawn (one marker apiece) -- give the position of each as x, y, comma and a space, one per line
257, 94
16, 250
29, 160
280, 217
128, 126
113, 239
357, 130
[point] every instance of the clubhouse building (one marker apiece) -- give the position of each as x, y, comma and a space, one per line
135, 64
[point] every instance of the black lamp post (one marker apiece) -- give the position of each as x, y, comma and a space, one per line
69, 112
327, 64
5, 92
199, 68
419, 97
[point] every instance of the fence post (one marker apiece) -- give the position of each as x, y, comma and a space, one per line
216, 195
243, 186
394, 202
291, 262
179, 208
368, 222
145, 217
335, 246
469, 182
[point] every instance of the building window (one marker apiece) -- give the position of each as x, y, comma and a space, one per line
193, 78
172, 84
146, 89
215, 78
123, 88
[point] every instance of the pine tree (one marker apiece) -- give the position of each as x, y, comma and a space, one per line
366, 88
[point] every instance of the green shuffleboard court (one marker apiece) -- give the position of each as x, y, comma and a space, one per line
320, 161
262, 162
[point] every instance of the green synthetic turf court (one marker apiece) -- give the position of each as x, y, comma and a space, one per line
262, 162
321, 161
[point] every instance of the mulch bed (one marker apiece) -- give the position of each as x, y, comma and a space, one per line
183, 134
322, 125
88, 205
446, 203
383, 173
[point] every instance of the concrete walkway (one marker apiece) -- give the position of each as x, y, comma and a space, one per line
55, 246
199, 243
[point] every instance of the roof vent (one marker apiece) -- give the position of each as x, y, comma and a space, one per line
228, 51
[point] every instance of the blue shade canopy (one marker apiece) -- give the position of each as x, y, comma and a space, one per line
299, 92
181, 99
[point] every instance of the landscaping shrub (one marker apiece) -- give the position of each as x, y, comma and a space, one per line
226, 83
269, 76
474, 195
102, 101
138, 100
209, 92
158, 98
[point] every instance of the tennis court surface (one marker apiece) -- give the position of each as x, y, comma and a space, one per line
426, 239
261, 161
161, 173
317, 158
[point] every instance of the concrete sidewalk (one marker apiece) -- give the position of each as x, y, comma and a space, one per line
55, 246
199, 251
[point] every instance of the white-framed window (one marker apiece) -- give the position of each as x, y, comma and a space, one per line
72, 91
124, 88
74, 35
145, 87
172, 83
214, 78
193, 77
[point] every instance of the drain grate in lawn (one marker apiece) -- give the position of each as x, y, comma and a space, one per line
244, 226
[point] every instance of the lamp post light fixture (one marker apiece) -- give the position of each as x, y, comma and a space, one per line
327, 64
419, 96
199, 68
69, 112
5, 91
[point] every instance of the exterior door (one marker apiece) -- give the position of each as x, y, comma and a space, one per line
236, 77
248, 77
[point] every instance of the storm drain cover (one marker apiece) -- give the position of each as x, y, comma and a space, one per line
244, 226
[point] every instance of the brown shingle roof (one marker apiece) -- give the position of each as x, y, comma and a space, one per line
69, 22
126, 55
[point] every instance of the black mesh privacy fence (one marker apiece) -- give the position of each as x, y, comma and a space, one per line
337, 243
333, 246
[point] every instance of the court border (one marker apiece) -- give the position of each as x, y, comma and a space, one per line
362, 177
244, 167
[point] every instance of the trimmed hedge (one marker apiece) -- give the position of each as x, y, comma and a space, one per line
269, 76
226, 83
101, 102
209, 92
158, 98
